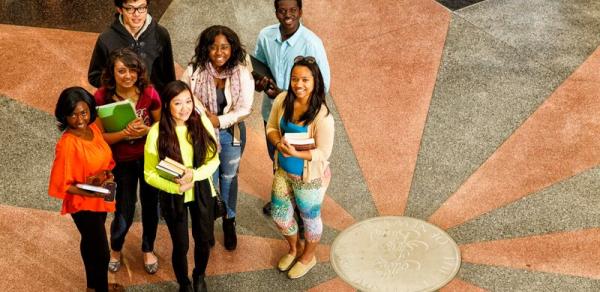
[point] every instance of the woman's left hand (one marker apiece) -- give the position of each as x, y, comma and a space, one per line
138, 129
187, 178
214, 119
287, 149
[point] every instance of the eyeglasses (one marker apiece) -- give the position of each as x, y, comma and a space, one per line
215, 48
307, 59
131, 9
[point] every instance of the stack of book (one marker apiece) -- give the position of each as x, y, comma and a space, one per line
170, 169
300, 141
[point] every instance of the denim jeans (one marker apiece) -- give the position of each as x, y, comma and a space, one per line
127, 175
226, 175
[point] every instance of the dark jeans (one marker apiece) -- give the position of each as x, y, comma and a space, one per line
127, 175
93, 247
175, 212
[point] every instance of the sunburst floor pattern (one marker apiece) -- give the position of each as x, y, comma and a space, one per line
481, 121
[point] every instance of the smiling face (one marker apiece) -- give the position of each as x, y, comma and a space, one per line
302, 82
288, 13
219, 52
80, 117
134, 14
181, 107
125, 77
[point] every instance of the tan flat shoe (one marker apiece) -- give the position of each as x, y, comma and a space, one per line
286, 262
299, 269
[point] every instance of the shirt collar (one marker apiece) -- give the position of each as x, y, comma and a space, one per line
294, 38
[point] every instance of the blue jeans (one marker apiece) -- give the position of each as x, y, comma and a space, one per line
226, 175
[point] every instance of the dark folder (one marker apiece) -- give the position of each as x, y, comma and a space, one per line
260, 69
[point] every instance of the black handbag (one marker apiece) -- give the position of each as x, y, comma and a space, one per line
219, 206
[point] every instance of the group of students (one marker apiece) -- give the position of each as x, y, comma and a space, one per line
197, 121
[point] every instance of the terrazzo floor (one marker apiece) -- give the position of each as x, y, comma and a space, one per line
479, 117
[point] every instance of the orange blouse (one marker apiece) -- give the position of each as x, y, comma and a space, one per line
75, 160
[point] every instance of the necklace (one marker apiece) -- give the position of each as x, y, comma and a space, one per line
125, 98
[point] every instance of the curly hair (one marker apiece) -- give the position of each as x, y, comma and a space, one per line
131, 60
207, 38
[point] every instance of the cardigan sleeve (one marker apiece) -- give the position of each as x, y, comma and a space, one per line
244, 106
324, 134
276, 113
151, 159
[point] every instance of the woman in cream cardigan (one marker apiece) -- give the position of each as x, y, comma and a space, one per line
223, 88
302, 176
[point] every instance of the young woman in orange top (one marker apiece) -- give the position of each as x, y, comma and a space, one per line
81, 153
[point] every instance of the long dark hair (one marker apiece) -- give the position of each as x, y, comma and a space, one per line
316, 98
131, 60
207, 38
66, 103
198, 136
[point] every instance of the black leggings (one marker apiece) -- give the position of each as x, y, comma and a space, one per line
94, 248
175, 212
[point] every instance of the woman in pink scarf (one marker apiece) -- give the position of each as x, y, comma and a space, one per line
224, 89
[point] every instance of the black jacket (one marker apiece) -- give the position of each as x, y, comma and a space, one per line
153, 45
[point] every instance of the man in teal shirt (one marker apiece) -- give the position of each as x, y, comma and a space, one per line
277, 46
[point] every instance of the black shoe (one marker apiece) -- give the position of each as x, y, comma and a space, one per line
186, 288
200, 284
230, 241
267, 209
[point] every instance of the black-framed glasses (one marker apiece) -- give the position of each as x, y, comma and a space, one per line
131, 9
308, 59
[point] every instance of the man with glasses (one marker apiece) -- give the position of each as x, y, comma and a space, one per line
133, 27
277, 46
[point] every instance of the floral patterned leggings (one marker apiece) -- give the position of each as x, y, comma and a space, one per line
289, 190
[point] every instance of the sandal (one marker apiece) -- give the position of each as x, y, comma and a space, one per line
114, 265
153, 267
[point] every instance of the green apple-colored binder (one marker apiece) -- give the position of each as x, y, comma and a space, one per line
116, 116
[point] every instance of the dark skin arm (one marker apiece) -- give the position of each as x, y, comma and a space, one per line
268, 86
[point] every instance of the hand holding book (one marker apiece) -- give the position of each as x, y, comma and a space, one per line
99, 185
176, 172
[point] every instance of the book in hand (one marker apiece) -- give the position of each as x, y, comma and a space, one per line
116, 116
108, 189
260, 69
300, 141
170, 169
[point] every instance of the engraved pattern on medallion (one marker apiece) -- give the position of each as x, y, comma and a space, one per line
395, 254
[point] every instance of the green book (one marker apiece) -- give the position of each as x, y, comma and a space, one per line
116, 116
